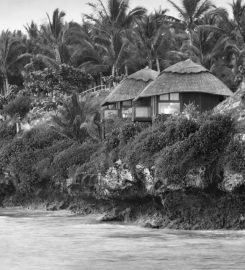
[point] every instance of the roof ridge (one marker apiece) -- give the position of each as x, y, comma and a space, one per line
185, 67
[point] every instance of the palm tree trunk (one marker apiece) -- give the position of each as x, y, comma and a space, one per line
190, 37
5, 84
57, 54
113, 71
158, 65
243, 71
150, 63
126, 70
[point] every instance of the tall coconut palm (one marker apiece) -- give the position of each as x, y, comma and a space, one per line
112, 24
209, 38
54, 32
11, 48
191, 12
50, 45
153, 37
238, 10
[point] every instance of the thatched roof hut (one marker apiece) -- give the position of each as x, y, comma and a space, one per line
185, 76
130, 87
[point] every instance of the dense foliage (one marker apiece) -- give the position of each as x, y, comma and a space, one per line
19, 106
64, 79
52, 65
116, 40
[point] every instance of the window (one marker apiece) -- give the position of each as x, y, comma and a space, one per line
169, 103
112, 106
174, 96
142, 112
110, 114
164, 97
171, 96
127, 112
127, 103
168, 107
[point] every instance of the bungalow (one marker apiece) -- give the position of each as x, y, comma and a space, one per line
119, 101
179, 85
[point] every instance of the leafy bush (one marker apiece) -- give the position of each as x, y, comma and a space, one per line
76, 154
21, 105
65, 79
7, 131
21, 157
122, 134
146, 146
113, 140
71, 116
204, 148
129, 131
235, 156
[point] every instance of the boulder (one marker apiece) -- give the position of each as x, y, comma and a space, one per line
52, 207
117, 178
232, 180
196, 178
146, 176
115, 215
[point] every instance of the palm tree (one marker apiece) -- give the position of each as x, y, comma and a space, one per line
111, 29
191, 12
54, 32
51, 46
87, 54
153, 37
238, 10
11, 48
209, 38
78, 120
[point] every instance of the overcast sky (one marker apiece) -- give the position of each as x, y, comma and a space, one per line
16, 13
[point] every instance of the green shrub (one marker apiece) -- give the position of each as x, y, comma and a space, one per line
122, 134
177, 128
7, 131
204, 148
77, 154
147, 145
235, 156
129, 131
21, 105
64, 79
24, 157
112, 141
41, 137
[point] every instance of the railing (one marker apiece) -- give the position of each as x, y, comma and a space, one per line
96, 89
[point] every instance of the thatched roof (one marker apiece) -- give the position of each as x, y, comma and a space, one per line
185, 76
130, 87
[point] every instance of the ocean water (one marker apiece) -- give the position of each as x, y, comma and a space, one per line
39, 240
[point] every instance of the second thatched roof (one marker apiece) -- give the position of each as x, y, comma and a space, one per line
185, 76
130, 87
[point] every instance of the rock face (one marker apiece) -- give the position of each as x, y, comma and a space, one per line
196, 178
115, 215
147, 178
120, 181
232, 180
117, 178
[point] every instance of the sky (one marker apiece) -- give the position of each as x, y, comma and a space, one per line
14, 14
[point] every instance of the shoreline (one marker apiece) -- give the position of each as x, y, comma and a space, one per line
181, 211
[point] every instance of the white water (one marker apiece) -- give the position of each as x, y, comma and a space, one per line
58, 241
